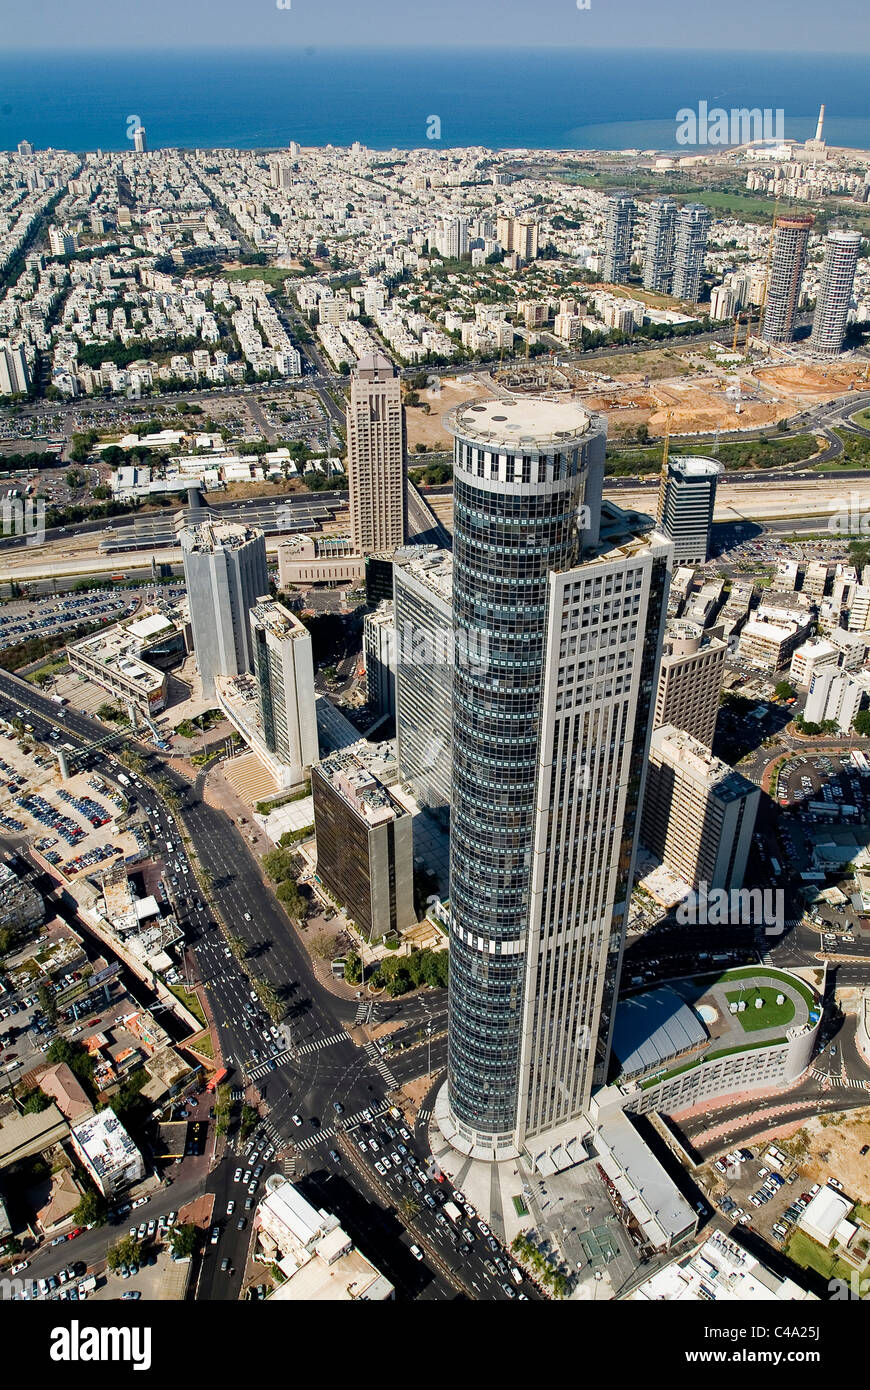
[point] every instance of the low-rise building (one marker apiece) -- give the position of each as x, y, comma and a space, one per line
131, 659
319, 560
316, 1257
108, 1153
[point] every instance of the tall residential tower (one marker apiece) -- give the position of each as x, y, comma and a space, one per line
617, 239
835, 292
786, 277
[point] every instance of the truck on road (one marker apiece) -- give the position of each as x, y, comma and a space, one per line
451, 1209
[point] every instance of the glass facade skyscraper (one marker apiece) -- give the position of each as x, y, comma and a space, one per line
527, 514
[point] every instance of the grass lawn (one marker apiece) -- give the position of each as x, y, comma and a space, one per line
272, 274
809, 1255
189, 1001
772, 1015
862, 418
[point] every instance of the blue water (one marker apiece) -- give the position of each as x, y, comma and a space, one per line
602, 99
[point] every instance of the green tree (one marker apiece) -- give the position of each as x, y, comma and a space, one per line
292, 900
91, 1210
783, 691
35, 1102
126, 1252
861, 723
183, 1239
352, 968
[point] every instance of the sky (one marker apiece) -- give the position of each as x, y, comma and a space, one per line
834, 26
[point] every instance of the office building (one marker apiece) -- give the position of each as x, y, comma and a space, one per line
687, 496
107, 1152
618, 229
833, 695
365, 843
690, 247
690, 680
380, 656
835, 292
786, 277
225, 574
658, 262
25, 149
565, 595
284, 676
376, 456
14, 374
139, 142
698, 813
318, 560
130, 659
422, 591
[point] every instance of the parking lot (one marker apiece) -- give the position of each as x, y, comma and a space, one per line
762, 1191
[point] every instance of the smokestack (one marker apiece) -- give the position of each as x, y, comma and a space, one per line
821, 121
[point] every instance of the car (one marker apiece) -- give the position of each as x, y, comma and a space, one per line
467, 1235
172, 1218
142, 1231
17, 1268
215, 1235
140, 1201
763, 1172
237, 1175
746, 1220
416, 1252
836, 1184
755, 1200
297, 1120
132, 1234
511, 1293
338, 1107
252, 1187
816, 1187
430, 1201
379, 1167
249, 1202
469, 1210
247, 916
231, 1206
258, 1170
335, 1156
247, 1178
152, 1227
131, 1294
225, 1264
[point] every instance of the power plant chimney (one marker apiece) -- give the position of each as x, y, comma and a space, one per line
821, 122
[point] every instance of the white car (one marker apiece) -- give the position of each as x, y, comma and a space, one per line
237, 1175
297, 1120
231, 1206
416, 1252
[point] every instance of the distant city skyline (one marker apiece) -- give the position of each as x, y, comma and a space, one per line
512, 24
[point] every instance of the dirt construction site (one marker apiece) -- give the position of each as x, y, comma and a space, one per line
696, 397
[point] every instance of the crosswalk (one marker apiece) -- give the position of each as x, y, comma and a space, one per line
313, 1140
319, 1043
291, 1053
423, 1115
380, 1065
289, 1166
836, 1080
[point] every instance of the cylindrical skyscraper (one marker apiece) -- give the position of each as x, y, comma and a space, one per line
835, 292
786, 275
543, 762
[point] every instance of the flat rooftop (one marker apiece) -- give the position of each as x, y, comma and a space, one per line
529, 422
692, 467
433, 568
217, 535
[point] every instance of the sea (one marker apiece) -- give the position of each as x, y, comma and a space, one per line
580, 99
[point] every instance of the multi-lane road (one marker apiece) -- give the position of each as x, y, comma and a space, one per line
315, 1081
